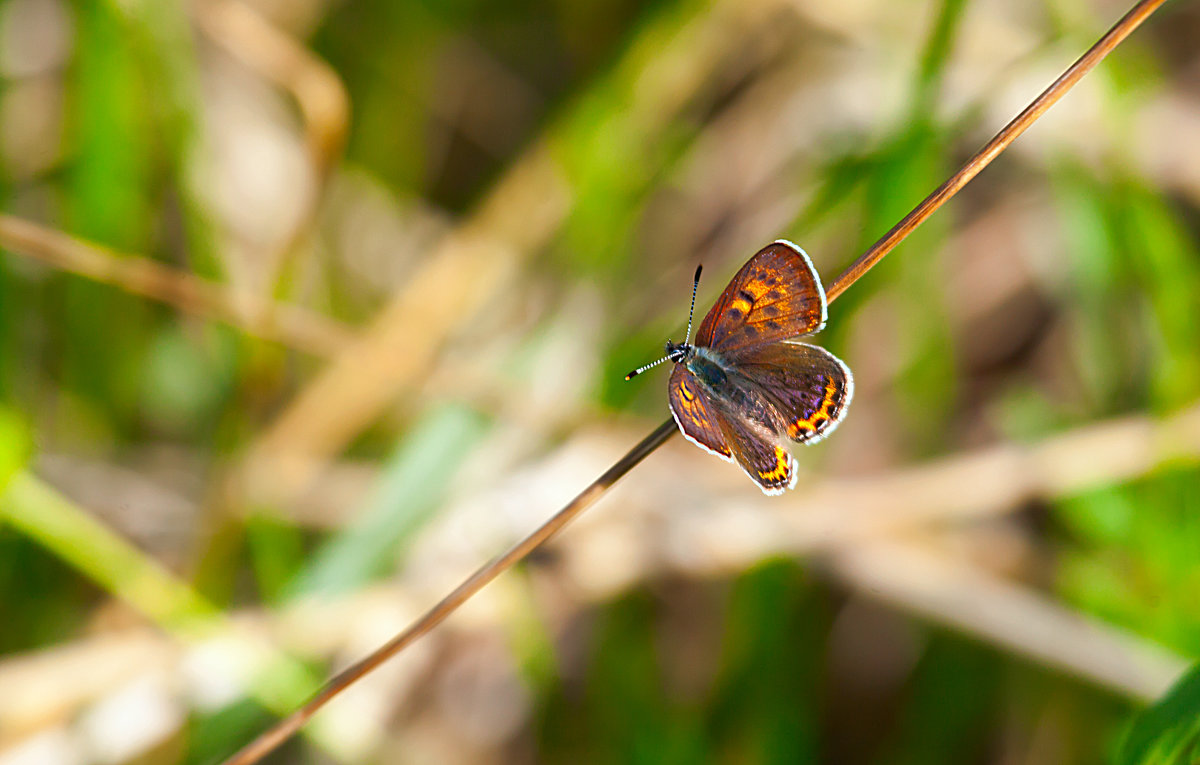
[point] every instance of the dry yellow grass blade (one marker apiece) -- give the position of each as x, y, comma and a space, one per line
1013, 618
446, 293
317, 89
861, 530
299, 464
268, 50
288, 324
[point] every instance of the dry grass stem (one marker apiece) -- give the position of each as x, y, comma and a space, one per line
261, 746
723, 533
284, 730
291, 325
908, 577
1008, 616
399, 345
520, 216
942, 194
317, 89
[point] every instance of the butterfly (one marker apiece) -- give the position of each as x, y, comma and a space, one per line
746, 386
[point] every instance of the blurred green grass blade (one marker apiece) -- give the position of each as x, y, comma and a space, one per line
905, 169
1168, 733
166, 56
627, 697
1097, 319
611, 147
132, 125
112, 172
60, 526
765, 705
1135, 277
934, 58
1105, 516
214, 736
387, 54
896, 176
1132, 560
530, 635
277, 553
949, 698
414, 482
16, 445
166, 62
109, 199
1163, 255
66, 530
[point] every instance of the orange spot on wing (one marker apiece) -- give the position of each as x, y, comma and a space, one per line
780, 473
824, 413
687, 392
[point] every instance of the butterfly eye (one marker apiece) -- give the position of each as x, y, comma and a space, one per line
677, 352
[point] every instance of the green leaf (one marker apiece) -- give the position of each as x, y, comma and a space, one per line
412, 487
1168, 732
15, 445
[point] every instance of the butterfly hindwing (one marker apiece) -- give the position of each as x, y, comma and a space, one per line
695, 414
808, 386
768, 463
709, 425
776, 295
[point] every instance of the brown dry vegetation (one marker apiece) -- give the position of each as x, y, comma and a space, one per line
306, 309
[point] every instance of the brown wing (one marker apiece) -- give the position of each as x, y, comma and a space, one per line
808, 386
776, 295
695, 414
717, 427
770, 465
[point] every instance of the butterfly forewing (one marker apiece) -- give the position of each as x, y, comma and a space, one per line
776, 295
694, 412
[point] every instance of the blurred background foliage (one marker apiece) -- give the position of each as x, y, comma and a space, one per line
349, 295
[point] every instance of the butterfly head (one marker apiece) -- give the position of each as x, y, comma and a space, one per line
678, 352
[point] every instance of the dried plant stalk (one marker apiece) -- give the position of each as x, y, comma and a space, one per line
289, 324
285, 728
833, 521
317, 89
520, 215
1007, 615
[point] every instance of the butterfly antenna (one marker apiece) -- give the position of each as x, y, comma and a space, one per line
639, 370
695, 286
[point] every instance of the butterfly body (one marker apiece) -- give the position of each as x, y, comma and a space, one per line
746, 386
708, 367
